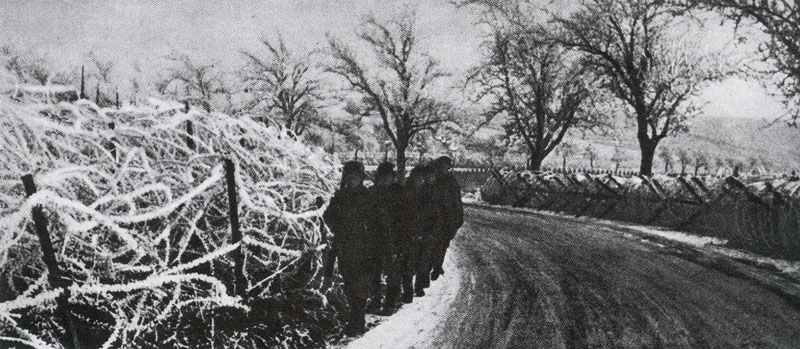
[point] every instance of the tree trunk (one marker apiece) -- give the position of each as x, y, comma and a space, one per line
648, 148
535, 162
401, 164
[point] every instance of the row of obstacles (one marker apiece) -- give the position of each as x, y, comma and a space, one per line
763, 217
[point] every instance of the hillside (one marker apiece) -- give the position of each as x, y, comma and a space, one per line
722, 139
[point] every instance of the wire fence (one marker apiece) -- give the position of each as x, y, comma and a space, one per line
156, 225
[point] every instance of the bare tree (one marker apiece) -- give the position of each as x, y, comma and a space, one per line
566, 150
136, 83
780, 19
494, 148
619, 157
28, 68
283, 83
103, 67
700, 161
65, 77
347, 130
422, 145
666, 157
197, 83
684, 159
590, 154
733, 164
766, 164
539, 86
719, 163
656, 77
754, 164
397, 90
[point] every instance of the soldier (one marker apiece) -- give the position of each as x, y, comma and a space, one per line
388, 196
407, 247
422, 178
449, 212
351, 218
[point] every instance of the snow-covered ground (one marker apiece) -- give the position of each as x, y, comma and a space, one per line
790, 268
416, 324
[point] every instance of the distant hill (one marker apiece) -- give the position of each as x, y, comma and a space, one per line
775, 147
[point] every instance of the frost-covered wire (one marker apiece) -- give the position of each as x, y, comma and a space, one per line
134, 210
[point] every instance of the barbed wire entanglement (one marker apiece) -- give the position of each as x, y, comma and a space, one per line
135, 203
757, 214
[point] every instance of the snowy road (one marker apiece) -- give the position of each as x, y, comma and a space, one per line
543, 281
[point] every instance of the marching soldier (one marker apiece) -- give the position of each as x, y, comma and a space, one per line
407, 246
449, 212
351, 218
422, 180
389, 199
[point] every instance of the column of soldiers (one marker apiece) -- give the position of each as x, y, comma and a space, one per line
393, 230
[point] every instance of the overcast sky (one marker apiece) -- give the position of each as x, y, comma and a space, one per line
128, 31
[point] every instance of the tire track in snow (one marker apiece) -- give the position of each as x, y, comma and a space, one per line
543, 281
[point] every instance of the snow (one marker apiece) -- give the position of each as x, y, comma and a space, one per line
791, 268
48, 89
689, 239
415, 325
112, 215
716, 245
472, 198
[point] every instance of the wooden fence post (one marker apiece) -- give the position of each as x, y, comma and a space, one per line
189, 127
190, 137
236, 235
112, 147
49, 257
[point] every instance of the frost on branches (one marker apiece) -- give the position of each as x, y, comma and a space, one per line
139, 221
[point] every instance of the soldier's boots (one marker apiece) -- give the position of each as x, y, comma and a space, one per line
436, 272
357, 324
408, 297
390, 306
354, 329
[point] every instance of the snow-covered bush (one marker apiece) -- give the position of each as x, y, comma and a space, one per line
139, 222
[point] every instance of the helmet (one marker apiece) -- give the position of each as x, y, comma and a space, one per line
353, 168
443, 160
384, 169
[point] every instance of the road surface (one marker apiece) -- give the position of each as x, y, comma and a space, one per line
542, 281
